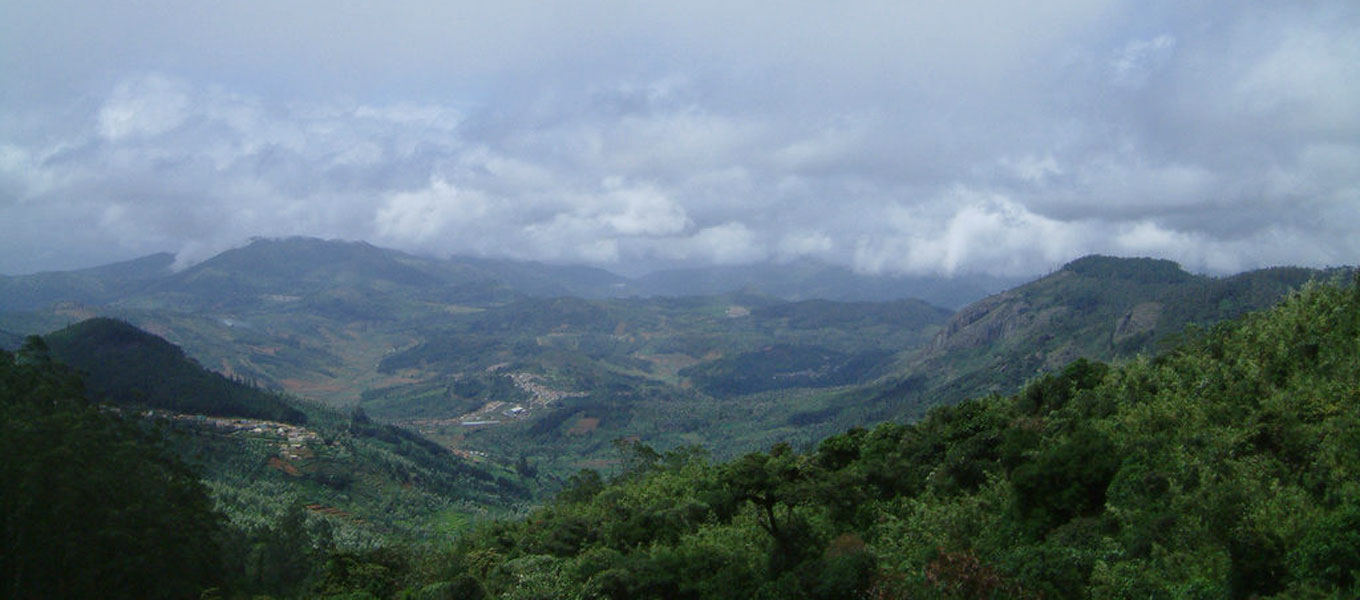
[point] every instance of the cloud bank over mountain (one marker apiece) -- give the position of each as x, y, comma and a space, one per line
978, 137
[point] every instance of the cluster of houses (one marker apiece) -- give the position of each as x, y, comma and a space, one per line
292, 439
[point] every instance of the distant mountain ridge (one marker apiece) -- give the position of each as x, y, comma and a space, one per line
550, 362
809, 280
96, 285
303, 265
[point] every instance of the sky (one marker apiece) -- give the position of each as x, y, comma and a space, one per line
898, 137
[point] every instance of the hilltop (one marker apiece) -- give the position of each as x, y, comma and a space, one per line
544, 366
261, 452
1222, 468
1005, 457
125, 366
1097, 307
1219, 468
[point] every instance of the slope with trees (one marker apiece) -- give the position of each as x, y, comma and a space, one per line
123, 365
92, 505
1222, 468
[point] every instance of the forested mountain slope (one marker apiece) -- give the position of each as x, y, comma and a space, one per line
460, 351
1222, 468
93, 507
1097, 307
96, 285
123, 365
291, 479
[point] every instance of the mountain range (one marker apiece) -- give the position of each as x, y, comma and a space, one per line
546, 363
314, 265
334, 397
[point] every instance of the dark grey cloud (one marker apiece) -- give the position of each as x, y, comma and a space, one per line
976, 136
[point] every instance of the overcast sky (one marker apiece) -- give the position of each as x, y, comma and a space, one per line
894, 137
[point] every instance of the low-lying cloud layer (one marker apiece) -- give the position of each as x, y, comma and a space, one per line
979, 137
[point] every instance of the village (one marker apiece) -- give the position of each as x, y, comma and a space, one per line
292, 439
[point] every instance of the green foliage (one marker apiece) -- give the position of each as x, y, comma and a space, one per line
1141, 270
784, 366
1066, 481
1329, 552
1223, 469
92, 505
126, 366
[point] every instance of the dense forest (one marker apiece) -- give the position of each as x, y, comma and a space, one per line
91, 506
100, 501
1224, 467
123, 365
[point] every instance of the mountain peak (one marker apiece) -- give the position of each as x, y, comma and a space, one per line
1140, 270
124, 365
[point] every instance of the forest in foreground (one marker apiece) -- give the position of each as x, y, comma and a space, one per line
1224, 467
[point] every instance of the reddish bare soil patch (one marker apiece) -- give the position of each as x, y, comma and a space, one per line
584, 426
332, 511
285, 466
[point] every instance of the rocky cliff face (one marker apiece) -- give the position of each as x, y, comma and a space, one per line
1140, 319
996, 318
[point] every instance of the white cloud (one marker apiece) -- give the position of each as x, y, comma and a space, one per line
641, 211
897, 137
810, 244
968, 231
1311, 79
730, 243
1138, 59
144, 107
418, 216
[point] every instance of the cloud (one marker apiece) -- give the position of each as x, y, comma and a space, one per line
891, 137
964, 230
640, 211
1308, 80
146, 107
805, 244
418, 216
592, 227
726, 244
1137, 60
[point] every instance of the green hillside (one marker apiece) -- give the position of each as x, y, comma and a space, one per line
1223, 468
555, 380
809, 280
107, 503
125, 366
1099, 308
93, 505
96, 285
1214, 462
261, 452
